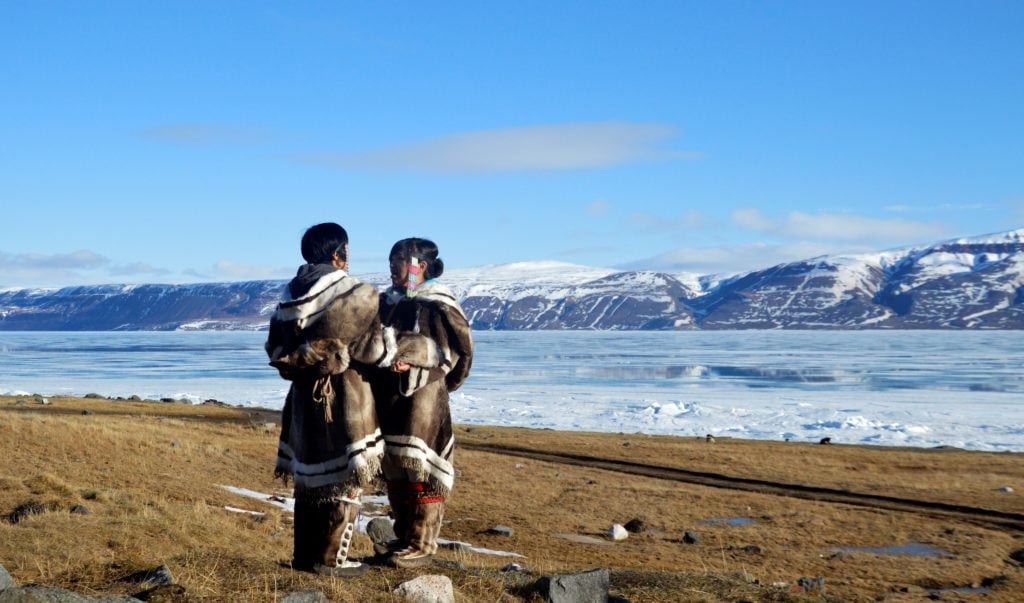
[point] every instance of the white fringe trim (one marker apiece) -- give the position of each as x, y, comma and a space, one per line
413, 453
390, 348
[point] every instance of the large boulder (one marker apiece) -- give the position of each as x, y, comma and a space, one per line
583, 587
427, 589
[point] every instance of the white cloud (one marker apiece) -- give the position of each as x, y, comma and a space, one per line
137, 268
532, 148
237, 271
901, 208
599, 207
826, 226
202, 134
648, 222
738, 258
77, 260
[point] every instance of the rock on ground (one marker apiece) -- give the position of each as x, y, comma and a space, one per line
635, 526
6, 580
42, 594
380, 530
159, 576
584, 587
427, 589
500, 530
617, 532
306, 596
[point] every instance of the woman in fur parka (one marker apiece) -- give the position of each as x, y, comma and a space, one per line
412, 397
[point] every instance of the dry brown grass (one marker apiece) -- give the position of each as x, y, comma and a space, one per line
149, 474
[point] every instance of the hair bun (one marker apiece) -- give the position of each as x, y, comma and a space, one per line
437, 268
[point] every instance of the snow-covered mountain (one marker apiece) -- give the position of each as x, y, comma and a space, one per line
957, 284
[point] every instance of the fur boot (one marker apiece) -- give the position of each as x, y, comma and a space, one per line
424, 527
323, 535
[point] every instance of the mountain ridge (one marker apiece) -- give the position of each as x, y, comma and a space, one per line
963, 283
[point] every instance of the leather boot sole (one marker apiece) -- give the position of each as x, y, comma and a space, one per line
341, 571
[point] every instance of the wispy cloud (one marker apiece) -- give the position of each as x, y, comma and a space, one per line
839, 227
232, 271
738, 258
598, 208
941, 207
203, 134
76, 260
648, 222
532, 148
137, 268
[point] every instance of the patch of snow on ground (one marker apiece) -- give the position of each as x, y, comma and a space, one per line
288, 505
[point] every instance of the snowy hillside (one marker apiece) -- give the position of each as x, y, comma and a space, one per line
968, 283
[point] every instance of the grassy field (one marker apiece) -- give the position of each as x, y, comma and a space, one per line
150, 475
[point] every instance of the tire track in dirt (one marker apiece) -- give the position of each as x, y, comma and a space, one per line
987, 517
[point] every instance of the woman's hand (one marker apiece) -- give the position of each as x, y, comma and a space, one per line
401, 367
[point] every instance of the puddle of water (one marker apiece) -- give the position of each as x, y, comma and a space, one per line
729, 521
584, 539
915, 549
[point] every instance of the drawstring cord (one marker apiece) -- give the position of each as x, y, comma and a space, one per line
323, 393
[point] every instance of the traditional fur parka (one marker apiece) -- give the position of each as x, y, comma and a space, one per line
330, 437
413, 409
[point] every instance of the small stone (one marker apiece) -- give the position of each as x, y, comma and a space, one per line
381, 530
812, 584
165, 593
305, 596
626, 444
576, 588
135, 398
175, 445
513, 567
913, 588
157, 576
93, 396
500, 530
88, 412
6, 580
753, 549
635, 526
1018, 555
27, 510
519, 465
710, 439
825, 441
42, 400
167, 400
617, 532
79, 510
1005, 490
691, 538
20, 402
427, 589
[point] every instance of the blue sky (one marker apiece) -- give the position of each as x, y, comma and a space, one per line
195, 141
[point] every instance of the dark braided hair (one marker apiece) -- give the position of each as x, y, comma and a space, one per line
423, 250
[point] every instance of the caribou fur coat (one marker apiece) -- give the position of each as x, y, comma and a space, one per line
413, 406
325, 337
